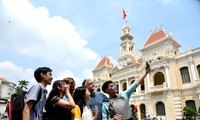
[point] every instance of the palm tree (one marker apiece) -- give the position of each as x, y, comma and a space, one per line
23, 84
18, 90
21, 87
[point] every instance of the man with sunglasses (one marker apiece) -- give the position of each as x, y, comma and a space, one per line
121, 109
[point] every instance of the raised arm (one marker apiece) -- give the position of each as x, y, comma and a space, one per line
147, 70
127, 93
70, 103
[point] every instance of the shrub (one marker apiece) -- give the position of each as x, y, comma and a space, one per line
189, 112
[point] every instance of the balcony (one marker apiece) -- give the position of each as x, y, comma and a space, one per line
142, 92
197, 82
158, 88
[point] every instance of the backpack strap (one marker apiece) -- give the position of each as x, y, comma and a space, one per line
39, 94
38, 97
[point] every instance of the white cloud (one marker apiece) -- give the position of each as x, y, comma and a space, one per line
64, 74
15, 73
33, 32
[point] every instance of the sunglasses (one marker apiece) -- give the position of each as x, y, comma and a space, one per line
72, 83
113, 86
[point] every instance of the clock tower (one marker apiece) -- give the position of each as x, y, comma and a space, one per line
127, 48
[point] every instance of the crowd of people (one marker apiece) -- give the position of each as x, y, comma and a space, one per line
65, 102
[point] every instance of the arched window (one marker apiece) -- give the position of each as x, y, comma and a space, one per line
142, 111
160, 108
117, 88
198, 69
142, 85
124, 86
132, 83
159, 78
191, 104
185, 75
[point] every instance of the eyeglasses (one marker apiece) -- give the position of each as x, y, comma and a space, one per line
113, 86
72, 83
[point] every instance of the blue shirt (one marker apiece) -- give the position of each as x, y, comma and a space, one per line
126, 94
97, 98
68, 112
36, 113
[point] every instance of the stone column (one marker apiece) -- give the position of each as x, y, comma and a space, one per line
167, 74
148, 82
191, 63
119, 84
127, 83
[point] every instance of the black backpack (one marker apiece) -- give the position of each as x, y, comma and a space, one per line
119, 105
17, 104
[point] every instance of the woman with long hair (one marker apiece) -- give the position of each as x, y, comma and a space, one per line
82, 111
56, 108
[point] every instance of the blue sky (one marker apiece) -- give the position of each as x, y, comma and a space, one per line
71, 36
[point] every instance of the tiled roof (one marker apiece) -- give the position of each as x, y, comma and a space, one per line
104, 62
2, 78
155, 37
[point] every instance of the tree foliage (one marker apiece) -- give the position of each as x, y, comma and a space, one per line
21, 87
189, 112
199, 110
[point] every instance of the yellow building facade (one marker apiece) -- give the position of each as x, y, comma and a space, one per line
172, 84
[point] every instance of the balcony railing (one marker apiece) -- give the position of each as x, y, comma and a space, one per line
158, 88
197, 82
142, 92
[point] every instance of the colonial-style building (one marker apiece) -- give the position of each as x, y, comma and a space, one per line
6, 90
173, 83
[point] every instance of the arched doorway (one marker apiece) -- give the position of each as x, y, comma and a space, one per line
160, 108
142, 111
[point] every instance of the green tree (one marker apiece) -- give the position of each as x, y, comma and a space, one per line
189, 113
21, 87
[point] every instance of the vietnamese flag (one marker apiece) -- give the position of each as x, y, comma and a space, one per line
124, 14
135, 108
